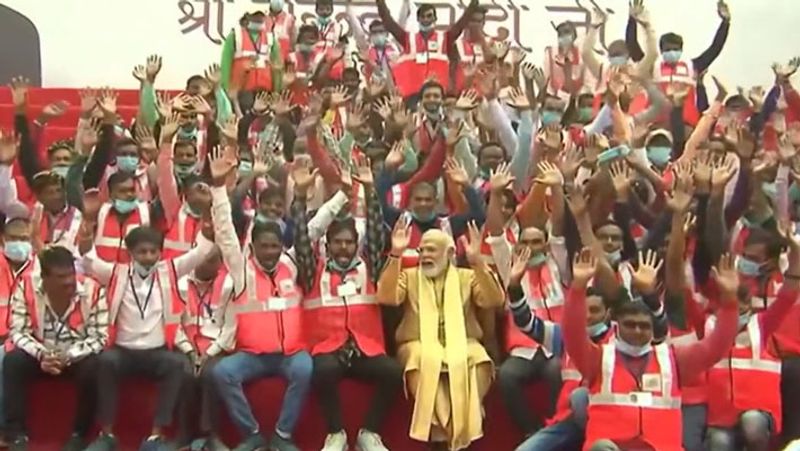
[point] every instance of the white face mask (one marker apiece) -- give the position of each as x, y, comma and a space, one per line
629, 349
276, 5
143, 271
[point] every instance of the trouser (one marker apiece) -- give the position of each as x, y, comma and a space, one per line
2, 398
694, 426
790, 398
515, 373
565, 435
382, 370
752, 431
234, 370
170, 369
200, 391
20, 369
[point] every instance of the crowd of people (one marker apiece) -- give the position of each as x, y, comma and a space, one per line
430, 213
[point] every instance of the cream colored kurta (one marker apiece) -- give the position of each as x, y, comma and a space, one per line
447, 370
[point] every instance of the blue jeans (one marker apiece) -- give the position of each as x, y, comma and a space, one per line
562, 436
233, 371
694, 426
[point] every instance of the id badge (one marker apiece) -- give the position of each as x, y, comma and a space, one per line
651, 382
277, 303
433, 46
422, 58
641, 399
346, 289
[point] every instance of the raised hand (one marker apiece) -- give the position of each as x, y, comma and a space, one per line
146, 141
401, 236
340, 96
53, 111
152, 67
786, 149
395, 156
213, 74
702, 171
140, 73
727, 278
363, 172
681, 197
519, 264
221, 164
500, 178
571, 163
261, 103
583, 267
500, 49
622, 177
107, 102
646, 275
723, 10
199, 105
230, 129
303, 176
261, 164
356, 117
549, 174
376, 86
91, 204
472, 247
722, 91
550, 137
455, 133
383, 108
756, 96
599, 17
455, 170
576, 200
9, 147
745, 142
468, 100
164, 104
19, 92
515, 55
170, 127
487, 82
90, 133
518, 100
594, 145
689, 222
281, 104
289, 76
88, 100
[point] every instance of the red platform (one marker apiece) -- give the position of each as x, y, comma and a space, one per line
52, 404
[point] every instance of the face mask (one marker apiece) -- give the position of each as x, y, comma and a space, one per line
323, 20
659, 155
550, 117
585, 114
614, 257
565, 41
672, 56
744, 318
747, 267
425, 28
305, 48
255, 26
245, 168
596, 330
184, 169
629, 349
17, 251
61, 171
124, 206
333, 265
537, 260
379, 40
424, 219
192, 212
127, 163
754, 223
618, 60
187, 134
261, 218
142, 270
276, 5
770, 189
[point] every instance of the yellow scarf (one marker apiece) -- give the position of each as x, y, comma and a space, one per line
434, 354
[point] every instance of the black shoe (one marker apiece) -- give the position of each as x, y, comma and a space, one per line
19, 444
75, 443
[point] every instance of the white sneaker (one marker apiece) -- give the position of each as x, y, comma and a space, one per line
336, 441
369, 441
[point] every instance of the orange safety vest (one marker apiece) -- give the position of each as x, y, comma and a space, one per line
341, 306
280, 27
557, 75
258, 52
422, 59
748, 378
165, 278
545, 295
179, 239
199, 322
622, 408
9, 280
64, 229
410, 256
141, 182
268, 311
109, 241
468, 53
304, 68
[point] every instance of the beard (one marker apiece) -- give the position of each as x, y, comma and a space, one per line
433, 270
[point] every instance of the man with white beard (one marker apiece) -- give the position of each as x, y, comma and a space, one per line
446, 368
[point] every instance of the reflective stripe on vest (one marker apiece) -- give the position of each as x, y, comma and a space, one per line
246, 48
103, 217
273, 303
439, 53
757, 362
570, 374
183, 243
328, 299
606, 396
681, 72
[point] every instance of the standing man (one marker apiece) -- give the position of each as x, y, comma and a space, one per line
470, 47
249, 55
281, 25
59, 324
563, 64
447, 369
268, 329
425, 53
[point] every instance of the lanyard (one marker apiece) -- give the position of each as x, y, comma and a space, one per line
204, 299
61, 217
142, 307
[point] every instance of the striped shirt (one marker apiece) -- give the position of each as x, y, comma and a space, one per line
54, 333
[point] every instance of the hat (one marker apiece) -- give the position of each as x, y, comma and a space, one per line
659, 132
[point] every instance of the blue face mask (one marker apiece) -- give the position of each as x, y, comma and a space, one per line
187, 134
127, 163
565, 40
324, 20
659, 155
631, 350
334, 265
424, 219
305, 48
618, 60
550, 117
124, 206
61, 171
614, 257
744, 318
596, 330
747, 267
755, 223
672, 56
142, 270
255, 26
184, 169
426, 28
585, 114
770, 189
245, 168
276, 5
17, 251
537, 260
379, 40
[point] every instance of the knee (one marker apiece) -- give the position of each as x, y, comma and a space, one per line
509, 374
755, 425
604, 445
391, 373
719, 439
14, 362
225, 372
326, 368
300, 367
108, 360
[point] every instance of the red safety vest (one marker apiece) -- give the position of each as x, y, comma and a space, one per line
468, 53
748, 378
9, 280
682, 72
140, 181
166, 282
557, 76
786, 340
199, 322
410, 256
280, 27
341, 306
511, 233
64, 228
304, 68
268, 311
258, 52
545, 295
622, 408
422, 58
696, 392
179, 239
389, 53
109, 240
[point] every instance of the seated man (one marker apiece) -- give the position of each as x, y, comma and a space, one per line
447, 370
58, 326
268, 334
